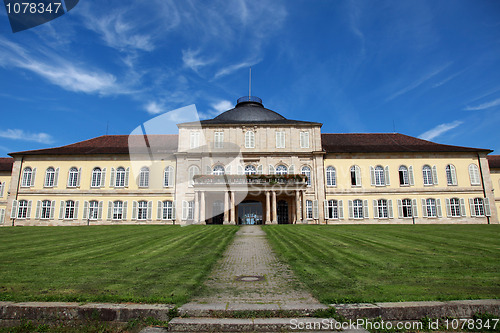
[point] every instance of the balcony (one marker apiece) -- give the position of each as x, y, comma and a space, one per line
252, 180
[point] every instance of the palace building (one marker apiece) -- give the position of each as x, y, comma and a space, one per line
250, 165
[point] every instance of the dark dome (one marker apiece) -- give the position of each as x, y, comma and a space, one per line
249, 109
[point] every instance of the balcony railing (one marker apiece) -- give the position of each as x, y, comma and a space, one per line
293, 179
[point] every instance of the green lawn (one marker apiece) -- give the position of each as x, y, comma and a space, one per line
150, 264
380, 263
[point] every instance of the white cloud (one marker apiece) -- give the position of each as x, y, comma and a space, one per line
440, 129
483, 106
230, 69
17, 134
154, 108
191, 59
222, 106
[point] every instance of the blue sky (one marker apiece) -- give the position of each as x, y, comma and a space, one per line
429, 69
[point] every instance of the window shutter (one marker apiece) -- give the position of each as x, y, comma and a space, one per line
99, 212
38, 208
184, 209
414, 210
61, 210
2, 185
271, 169
56, 177
208, 170
228, 170
365, 208
110, 210
487, 210
471, 206
358, 175
424, 208
103, 178
68, 184
291, 169
124, 215
473, 174
2, 215
438, 208
315, 209
241, 171
453, 175
159, 210
462, 207
78, 177
52, 209
372, 175
150, 210
112, 177
375, 209
400, 208
351, 209
174, 210
33, 176
389, 209
410, 175
77, 203
259, 169
134, 210
127, 174
387, 179
341, 209
13, 212
434, 175
85, 210
28, 210
325, 207
448, 207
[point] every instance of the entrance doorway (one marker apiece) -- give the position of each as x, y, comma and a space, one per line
250, 212
218, 212
282, 212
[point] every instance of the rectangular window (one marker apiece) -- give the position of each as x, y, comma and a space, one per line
167, 210
190, 212
195, 140
117, 210
280, 139
309, 209
332, 209
431, 208
304, 139
219, 140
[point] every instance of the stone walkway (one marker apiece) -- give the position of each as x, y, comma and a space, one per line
249, 255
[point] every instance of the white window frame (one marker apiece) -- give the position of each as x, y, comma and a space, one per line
427, 175
309, 209
382, 209
404, 176
73, 176
120, 177
93, 211
46, 211
355, 172
455, 207
22, 211
168, 174
218, 139
358, 209
451, 175
331, 176
332, 209
167, 210
142, 210
96, 180
431, 207
407, 208
144, 177
194, 141
304, 139
192, 171
250, 170
50, 177
218, 170
117, 210
306, 171
280, 139
69, 209
474, 175
249, 139
27, 180
281, 170
478, 204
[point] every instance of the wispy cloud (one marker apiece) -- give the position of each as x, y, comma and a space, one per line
449, 78
439, 130
483, 106
417, 83
192, 60
232, 68
17, 134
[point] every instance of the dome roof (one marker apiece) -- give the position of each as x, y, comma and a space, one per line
249, 109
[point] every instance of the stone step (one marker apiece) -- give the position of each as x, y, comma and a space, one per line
250, 310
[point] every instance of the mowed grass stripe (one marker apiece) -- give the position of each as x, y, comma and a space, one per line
376, 263
149, 264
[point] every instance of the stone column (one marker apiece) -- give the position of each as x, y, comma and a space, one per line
275, 210
202, 208
268, 208
233, 209
304, 207
298, 214
226, 207
196, 207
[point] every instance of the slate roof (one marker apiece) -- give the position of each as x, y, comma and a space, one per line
384, 143
6, 163
332, 143
494, 161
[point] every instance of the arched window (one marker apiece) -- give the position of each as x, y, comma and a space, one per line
120, 177
406, 207
117, 210
379, 176
22, 210
250, 170
27, 177
331, 178
142, 210
93, 210
357, 206
306, 171
474, 175
168, 173
249, 139
193, 171
46, 209
50, 175
427, 174
167, 213
144, 177
96, 177
281, 170
73, 177
69, 212
403, 175
218, 170
355, 176
451, 175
